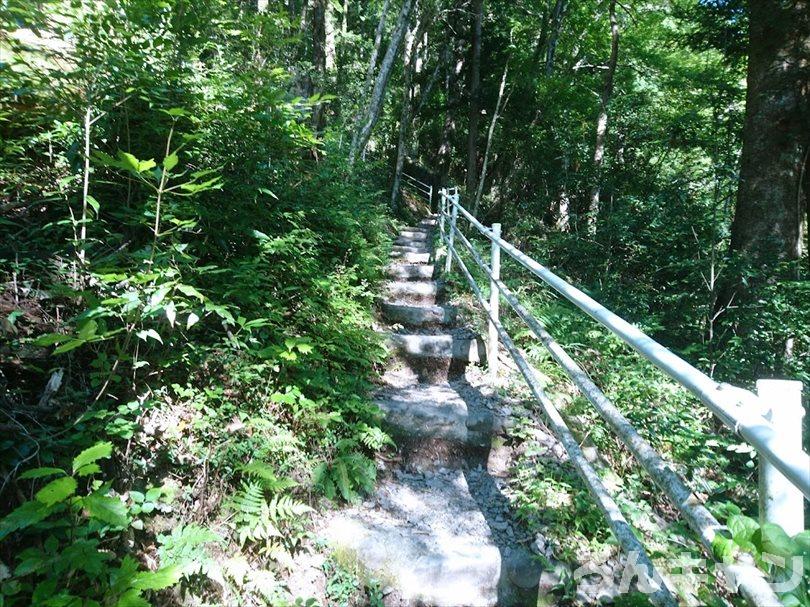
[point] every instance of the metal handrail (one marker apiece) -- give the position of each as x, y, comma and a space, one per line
661, 596
752, 583
419, 186
728, 402
737, 408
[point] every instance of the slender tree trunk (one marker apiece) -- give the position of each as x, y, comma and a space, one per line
330, 37
768, 218
405, 117
562, 219
372, 114
449, 123
344, 19
480, 189
424, 95
602, 122
372, 68
556, 26
475, 96
319, 57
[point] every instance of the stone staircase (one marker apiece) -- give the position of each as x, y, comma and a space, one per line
437, 531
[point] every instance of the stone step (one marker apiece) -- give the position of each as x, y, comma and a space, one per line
427, 537
411, 257
418, 316
434, 413
465, 349
410, 248
418, 291
413, 234
407, 241
410, 271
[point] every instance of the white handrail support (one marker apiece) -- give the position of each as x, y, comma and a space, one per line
494, 305
779, 501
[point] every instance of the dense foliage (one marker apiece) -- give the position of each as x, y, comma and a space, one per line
193, 223
202, 289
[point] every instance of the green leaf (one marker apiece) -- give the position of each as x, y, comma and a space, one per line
93, 204
170, 162
190, 291
41, 473
171, 312
742, 530
51, 339
723, 548
147, 333
772, 539
132, 598
191, 320
57, 491
30, 513
157, 580
71, 345
88, 470
110, 510
128, 161
88, 330
92, 454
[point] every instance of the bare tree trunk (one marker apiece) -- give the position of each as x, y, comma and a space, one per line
562, 220
556, 26
480, 190
770, 202
372, 113
424, 95
449, 125
372, 61
602, 122
475, 96
330, 37
344, 22
405, 117
319, 57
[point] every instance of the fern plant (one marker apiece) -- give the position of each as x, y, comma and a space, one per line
273, 522
350, 472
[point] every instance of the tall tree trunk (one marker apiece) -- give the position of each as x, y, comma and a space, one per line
602, 122
372, 114
372, 66
424, 95
475, 96
562, 217
498, 109
449, 124
330, 36
407, 101
319, 57
768, 218
556, 27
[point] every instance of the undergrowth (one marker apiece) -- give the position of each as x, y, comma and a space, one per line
193, 310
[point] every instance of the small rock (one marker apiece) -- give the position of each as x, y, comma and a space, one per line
523, 571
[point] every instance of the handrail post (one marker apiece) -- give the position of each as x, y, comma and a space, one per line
430, 198
442, 199
780, 502
453, 198
494, 305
